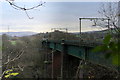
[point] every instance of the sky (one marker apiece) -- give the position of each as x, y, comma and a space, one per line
50, 15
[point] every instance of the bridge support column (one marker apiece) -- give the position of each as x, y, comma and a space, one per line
62, 55
63, 66
52, 64
63, 61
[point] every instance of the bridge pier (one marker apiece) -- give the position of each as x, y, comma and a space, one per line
63, 65
56, 65
69, 63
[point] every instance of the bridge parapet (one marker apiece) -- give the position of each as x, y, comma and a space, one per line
74, 42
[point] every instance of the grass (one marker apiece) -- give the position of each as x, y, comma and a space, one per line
13, 42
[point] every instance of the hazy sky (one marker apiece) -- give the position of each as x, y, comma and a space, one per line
51, 15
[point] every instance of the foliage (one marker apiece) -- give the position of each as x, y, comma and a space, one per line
29, 64
111, 48
13, 42
10, 73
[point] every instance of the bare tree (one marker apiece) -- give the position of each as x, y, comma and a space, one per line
11, 60
12, 4
110, 11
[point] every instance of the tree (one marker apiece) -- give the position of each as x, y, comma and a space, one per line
10, 54
111, 42
12, 4
25, 58
110, 11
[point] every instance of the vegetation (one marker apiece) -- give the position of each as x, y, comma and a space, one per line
111, 41
111, 48
24, 55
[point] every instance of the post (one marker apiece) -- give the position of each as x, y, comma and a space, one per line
109, 26
61, 65
80, 24
80, 74
66, 34
62, 57
52, 64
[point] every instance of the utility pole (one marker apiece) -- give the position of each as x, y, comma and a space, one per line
8, 29
80, 32
80, 25
8, 32
103, 19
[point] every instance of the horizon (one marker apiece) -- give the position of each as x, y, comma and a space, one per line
53, 15
52, 31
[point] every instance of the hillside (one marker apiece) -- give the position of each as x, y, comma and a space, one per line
18, 34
